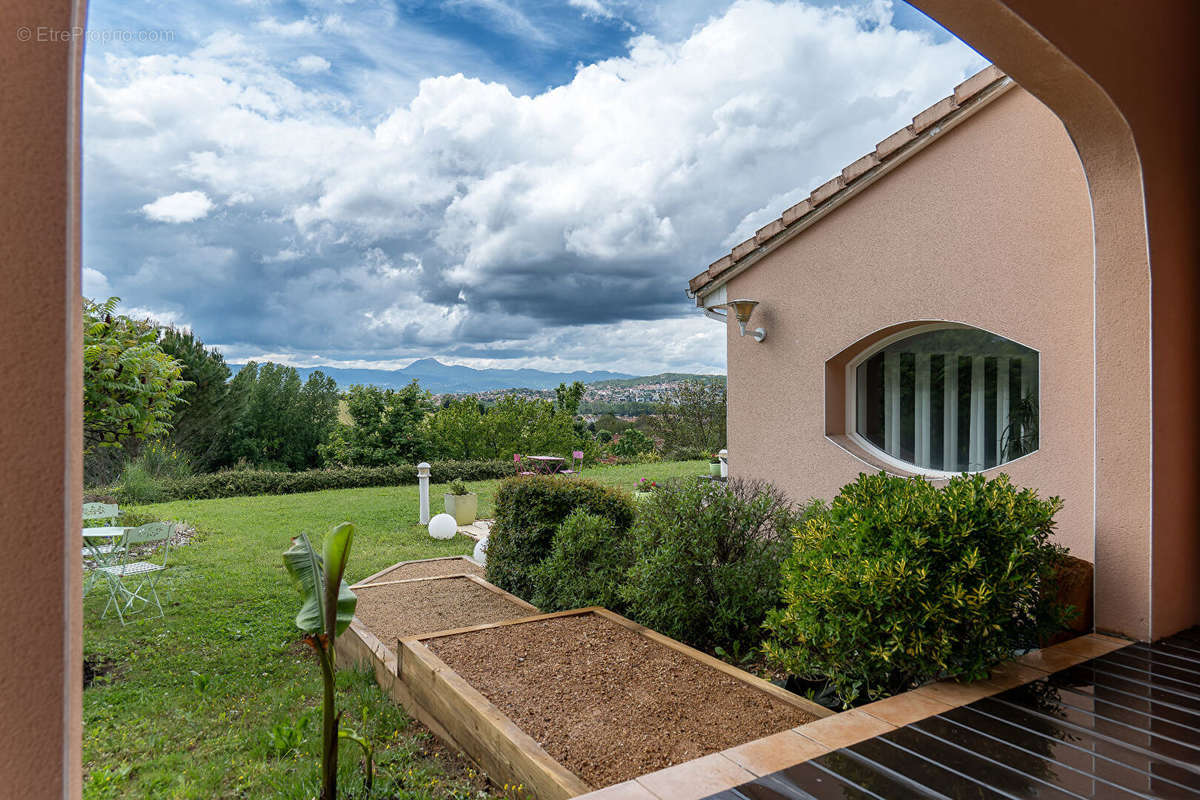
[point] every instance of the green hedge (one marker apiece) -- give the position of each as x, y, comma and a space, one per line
243, 483
528, 512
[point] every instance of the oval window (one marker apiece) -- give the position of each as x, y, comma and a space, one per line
954, 399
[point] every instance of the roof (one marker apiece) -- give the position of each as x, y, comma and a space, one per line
970, 95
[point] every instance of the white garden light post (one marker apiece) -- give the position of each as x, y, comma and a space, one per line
723, 455
423, 484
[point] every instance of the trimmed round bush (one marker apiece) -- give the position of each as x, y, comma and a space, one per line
529, 510
899, 582
586, 566
706, 561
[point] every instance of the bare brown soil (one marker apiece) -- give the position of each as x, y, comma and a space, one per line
403, 609
431, 569
607, 703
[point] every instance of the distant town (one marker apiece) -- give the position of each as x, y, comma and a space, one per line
625, 397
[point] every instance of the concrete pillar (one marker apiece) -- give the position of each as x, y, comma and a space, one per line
423, 488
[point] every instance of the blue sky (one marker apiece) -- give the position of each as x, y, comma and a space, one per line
491, 182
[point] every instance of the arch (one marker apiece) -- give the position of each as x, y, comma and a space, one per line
1145, 395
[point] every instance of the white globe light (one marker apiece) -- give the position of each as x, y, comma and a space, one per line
443, 526
480, 553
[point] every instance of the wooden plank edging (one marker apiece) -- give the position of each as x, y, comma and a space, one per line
399, 564
505, 752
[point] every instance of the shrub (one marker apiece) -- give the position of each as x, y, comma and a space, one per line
631, 443
528, 512
586, 566
706, 561
249, 482
899, 582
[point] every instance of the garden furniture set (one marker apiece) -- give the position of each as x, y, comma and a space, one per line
130, 560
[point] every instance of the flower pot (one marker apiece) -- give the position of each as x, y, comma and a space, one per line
642, 495
462, 507
714, 470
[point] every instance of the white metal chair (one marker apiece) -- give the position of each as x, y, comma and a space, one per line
98, 553
152, 541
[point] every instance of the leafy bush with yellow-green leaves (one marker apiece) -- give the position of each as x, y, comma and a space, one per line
899, 582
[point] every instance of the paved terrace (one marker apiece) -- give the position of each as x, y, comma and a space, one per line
1094, 717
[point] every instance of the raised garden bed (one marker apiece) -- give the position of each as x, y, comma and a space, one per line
359, 644
564, 703
393, 609
426, 568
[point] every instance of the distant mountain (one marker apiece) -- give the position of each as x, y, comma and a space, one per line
662, 377
439, 378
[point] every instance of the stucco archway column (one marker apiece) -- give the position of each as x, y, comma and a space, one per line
1126, 83
40, 399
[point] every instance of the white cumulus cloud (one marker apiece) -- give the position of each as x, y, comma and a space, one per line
481, 222
311, 64
179, 207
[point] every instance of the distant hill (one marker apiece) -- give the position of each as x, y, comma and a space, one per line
662, 377
439, 378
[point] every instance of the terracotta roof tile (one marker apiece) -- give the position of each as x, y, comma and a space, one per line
933, 114
767, 231
894, 142
796, 212
964, 93
720, 265
976, 84
744, 249
860, 167
826, 190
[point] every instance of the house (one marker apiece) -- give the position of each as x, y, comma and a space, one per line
928, 311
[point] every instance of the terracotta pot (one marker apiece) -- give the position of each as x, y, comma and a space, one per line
462, 507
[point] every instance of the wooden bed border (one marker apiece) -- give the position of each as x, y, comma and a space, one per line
386, 570
505, 752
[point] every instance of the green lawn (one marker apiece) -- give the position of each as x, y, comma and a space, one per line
207, 702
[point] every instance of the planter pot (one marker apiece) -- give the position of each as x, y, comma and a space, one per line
642, 495
462, 507
714, 470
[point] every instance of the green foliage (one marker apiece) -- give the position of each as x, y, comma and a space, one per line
706, 561
247, 482
388, 428
148, 734
692, 416
129, 384
142, 478
631, 443
200, 421
513, 424
457, 488
281, 419
899, 582
528, 512
586, 565
326, 612
567, 398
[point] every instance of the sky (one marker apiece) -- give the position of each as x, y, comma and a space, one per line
496, 183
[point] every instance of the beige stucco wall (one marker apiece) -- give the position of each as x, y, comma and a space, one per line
991, 227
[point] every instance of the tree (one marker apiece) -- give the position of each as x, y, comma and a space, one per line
129, 384
282, 421
456, 430
387, 429
567, 398
692, 416
201, 419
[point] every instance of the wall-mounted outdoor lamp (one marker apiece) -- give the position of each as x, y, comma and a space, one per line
742, 309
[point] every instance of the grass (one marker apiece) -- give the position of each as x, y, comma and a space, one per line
220, 700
